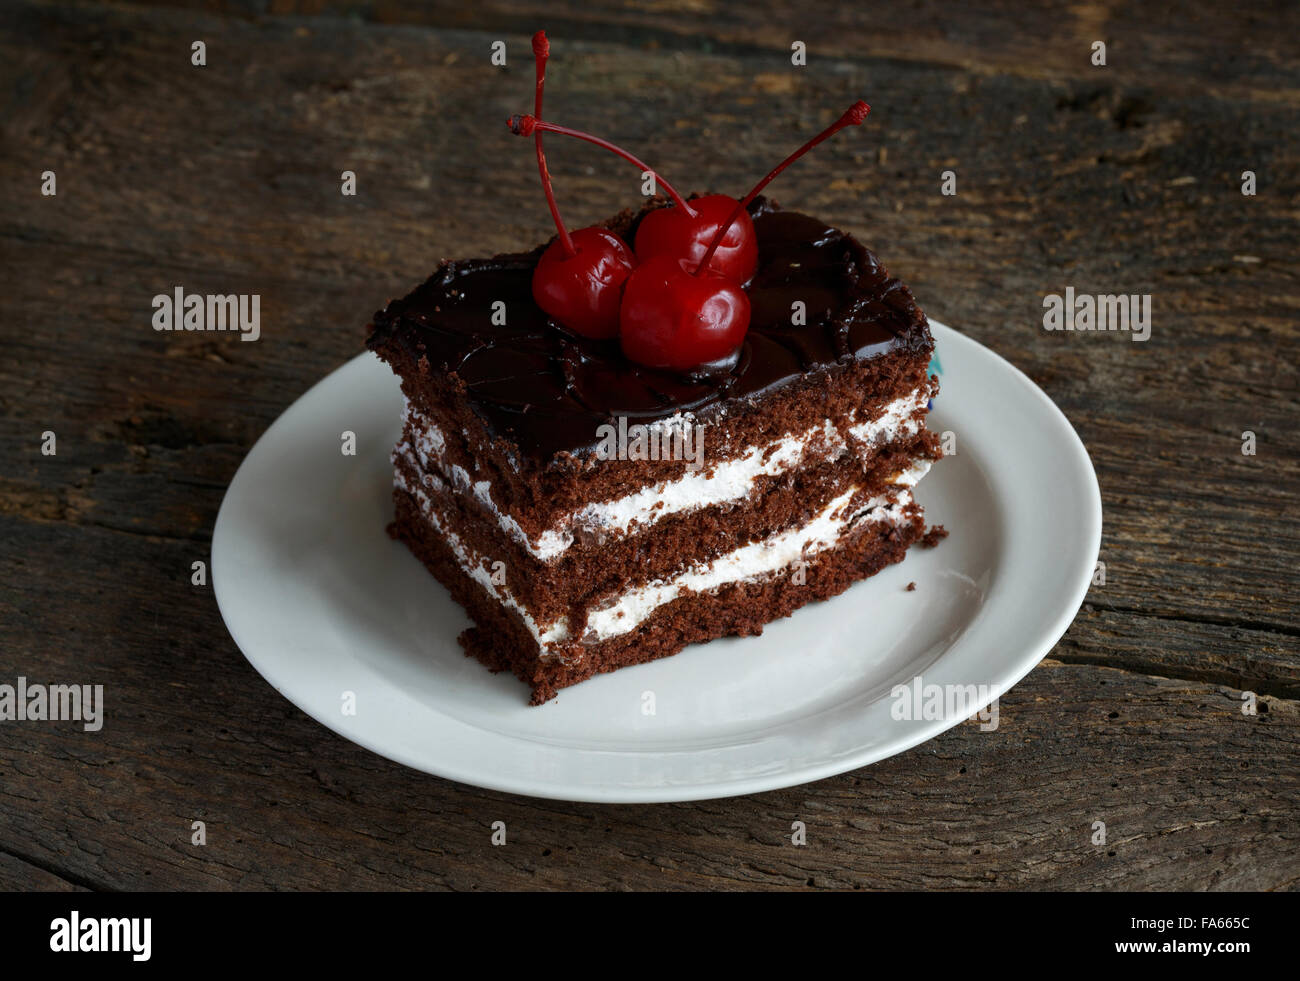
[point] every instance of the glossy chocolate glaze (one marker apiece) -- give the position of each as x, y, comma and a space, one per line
548, 390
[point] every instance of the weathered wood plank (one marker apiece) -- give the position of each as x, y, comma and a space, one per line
1236, 655
17, 875
1231, 49
225, 179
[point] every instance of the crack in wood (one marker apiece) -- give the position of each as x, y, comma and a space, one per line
1286, 691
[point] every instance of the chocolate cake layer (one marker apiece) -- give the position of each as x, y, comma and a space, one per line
541, 392
590, 571
854, 423
501, 641
538, 498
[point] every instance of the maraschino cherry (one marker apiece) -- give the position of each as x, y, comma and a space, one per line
675, 231
678, 317
679, 313
579, 278
670, 317
684, 305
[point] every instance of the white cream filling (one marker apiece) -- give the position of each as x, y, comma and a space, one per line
897, 420
470, 563
750, 561
730, 481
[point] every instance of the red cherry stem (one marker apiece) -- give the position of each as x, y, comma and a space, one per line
853, 117
542, 51
524, 125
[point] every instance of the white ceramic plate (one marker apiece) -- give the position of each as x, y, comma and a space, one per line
332, 612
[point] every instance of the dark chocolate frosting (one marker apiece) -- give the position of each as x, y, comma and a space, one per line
547, 390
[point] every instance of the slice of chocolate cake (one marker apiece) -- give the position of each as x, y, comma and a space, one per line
590, 513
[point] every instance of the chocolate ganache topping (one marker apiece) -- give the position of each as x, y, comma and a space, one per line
548, 390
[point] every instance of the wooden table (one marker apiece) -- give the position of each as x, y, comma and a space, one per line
225, 178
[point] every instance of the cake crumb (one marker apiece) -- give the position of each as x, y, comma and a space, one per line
934, 536
911, 587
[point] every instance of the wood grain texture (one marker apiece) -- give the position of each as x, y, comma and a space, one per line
225, 179
17, 875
